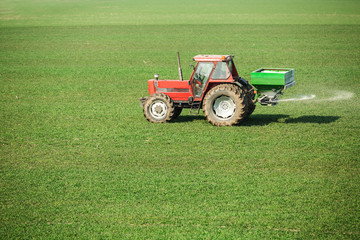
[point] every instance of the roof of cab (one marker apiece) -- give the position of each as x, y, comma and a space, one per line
212, 58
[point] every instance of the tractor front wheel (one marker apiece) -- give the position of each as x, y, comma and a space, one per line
158, 108
177, 112
224, 105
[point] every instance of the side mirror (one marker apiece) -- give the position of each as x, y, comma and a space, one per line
192, 66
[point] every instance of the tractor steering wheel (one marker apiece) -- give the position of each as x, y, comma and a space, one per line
201, 78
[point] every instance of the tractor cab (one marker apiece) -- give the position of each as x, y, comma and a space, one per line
210, 70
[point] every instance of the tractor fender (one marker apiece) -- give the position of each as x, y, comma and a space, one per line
243, 83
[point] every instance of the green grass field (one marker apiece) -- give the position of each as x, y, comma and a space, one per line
80, 161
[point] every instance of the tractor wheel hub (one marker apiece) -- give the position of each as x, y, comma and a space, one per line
158, 109
224, 107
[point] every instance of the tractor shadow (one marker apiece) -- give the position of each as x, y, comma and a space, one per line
265, 119
189, 118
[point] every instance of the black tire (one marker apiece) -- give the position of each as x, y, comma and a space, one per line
224, 105
250, 104
177, 112
158, 108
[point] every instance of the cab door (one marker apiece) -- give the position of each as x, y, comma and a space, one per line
200, 77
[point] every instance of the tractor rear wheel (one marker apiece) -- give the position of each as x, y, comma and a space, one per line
158, 108
250, 105
224, 105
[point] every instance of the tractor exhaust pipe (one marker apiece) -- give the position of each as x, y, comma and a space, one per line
180, 71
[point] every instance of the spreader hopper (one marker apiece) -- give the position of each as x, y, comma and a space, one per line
271, 82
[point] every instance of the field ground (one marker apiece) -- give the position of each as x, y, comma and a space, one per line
79, 160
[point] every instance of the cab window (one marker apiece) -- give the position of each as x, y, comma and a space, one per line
201, 76
221, 71
231, 67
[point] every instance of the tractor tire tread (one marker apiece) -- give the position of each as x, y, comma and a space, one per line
250, 104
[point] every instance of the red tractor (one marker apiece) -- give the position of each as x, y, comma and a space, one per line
216, 87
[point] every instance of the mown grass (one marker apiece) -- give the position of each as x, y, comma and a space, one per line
79, 160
